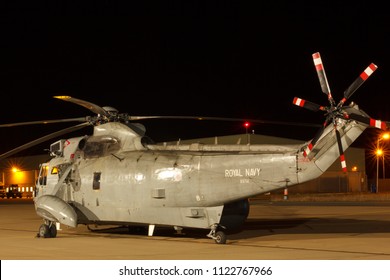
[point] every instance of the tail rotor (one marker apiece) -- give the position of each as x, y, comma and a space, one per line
334, 112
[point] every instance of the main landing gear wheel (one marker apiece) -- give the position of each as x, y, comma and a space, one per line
47, 230
218, 236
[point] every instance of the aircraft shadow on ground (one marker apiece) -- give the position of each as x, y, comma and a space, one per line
253, 228
264, 227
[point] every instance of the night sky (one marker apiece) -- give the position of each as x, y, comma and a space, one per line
239, 59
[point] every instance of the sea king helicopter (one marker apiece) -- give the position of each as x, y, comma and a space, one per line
116, 176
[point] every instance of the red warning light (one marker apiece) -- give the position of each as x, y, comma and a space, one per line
246, 124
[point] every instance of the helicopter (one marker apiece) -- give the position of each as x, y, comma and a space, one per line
118, 176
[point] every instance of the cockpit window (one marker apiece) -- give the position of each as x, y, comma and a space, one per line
43, 175
98, 146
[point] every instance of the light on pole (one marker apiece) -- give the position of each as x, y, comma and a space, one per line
385, 136
247, 125
380, 153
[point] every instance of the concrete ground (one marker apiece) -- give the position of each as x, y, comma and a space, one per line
284, 230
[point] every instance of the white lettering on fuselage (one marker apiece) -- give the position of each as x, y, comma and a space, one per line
251, 172
247, 172
233, 173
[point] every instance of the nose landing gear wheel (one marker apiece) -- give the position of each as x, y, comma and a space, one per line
44, 231
53, 230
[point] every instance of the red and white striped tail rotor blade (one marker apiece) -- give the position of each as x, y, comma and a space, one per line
369, 121
307, 150
379, 124
307, 104
322, 76
310, 146
343, 163
341, 152
358, 82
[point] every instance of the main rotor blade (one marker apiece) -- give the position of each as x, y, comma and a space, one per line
135, 118
308, 105
43, 139
101, 111
358, 82
81, 119
322, 77
90, 106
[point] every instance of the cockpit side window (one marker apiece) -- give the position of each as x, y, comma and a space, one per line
43, 175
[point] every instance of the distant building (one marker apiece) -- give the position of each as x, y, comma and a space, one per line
21, 171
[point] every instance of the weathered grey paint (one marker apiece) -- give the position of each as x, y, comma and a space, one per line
179, 185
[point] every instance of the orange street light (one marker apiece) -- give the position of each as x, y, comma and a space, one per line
15, 169
380, 153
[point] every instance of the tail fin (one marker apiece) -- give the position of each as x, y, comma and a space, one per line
335, 137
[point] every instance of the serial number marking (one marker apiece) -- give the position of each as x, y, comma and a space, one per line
247, 172
244, 181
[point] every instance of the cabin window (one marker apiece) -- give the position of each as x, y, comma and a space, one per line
54, 170
96, 180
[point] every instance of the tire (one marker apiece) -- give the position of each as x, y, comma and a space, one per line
44, 231
220, 237
53, 230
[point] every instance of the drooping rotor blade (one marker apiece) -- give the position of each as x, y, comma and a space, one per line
308, 105
322, 77
358, 82
90, 106
136, 118
369, 121
341, 152
43, 139
106, 113
81, 119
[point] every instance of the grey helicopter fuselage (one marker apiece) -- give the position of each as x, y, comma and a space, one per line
114, 177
